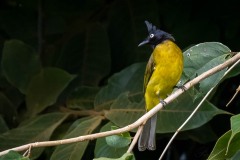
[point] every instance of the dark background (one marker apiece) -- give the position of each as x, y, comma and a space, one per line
58, 30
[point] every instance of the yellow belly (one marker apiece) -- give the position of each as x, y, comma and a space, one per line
168, 62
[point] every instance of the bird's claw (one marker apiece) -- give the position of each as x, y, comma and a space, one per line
181, 87
163, 102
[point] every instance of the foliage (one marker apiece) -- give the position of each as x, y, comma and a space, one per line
83, 73
13, 155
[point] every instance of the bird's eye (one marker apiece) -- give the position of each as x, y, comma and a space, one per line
151, 35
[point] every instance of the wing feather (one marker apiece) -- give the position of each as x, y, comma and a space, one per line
148, 72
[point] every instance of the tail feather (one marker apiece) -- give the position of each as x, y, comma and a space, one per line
147, 137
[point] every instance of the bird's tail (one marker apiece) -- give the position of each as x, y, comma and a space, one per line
147, 137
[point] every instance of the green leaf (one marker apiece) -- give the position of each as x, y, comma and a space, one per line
35, 130
123, 107
236, 156
13, 155
128, 80
102, 149
126, 156
233, 145
120, 140
219, 150
203, 57
227, 145
117, 141
234, 140
234, 72
175, 113
179, 110
45, 88
235, 124
19, 63
82, 98
75, 151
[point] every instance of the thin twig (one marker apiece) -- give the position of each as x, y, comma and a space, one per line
137, 123
135, 139
28, 152
187, 120
237, 90
194, 111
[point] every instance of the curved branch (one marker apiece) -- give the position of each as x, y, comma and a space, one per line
136, 123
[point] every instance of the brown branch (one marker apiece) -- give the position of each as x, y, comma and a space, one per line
237, 90
137, 123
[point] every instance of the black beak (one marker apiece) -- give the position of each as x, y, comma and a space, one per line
146, 41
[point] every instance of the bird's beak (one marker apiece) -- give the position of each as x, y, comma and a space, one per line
146, 41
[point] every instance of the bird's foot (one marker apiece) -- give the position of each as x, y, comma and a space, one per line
163, 102
181, 87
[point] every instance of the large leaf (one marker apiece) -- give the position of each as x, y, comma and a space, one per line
19, 63
227, 145
75, 151
102, 149
219, 150
173, 115
12, 155
234, 72
170, 118
128, 80
35, 130
202, 57
45, 88
82, 98
124, 112
234, 140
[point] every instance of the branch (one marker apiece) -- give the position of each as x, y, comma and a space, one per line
137, 123
194, 111
237, 90
185, 122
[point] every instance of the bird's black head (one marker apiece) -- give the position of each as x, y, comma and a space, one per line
155, 36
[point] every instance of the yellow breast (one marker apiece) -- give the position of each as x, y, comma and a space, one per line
168, 67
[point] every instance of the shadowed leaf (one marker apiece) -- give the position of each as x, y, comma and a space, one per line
35, 130
20, 63
45, 88
75, 151
102, 149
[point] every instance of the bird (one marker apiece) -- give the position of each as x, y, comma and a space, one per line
163, 72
